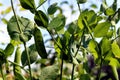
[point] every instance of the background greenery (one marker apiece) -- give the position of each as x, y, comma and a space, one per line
84, 47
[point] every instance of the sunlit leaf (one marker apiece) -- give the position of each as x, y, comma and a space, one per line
92, 48
23, 32
115, 65
52, 9
116, 50
41, 2
57, 23
41, 19
109, 11
101, 29
1, 4
4, 20
105, 45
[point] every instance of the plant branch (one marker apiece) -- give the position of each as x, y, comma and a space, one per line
2, 72
28, 57
16, 17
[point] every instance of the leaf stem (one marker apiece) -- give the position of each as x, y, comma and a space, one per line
16, 17
28, 57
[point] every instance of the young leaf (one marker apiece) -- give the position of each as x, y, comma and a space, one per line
41, 2
27, 4
39, 43
116, 50
41, 19
24, 33
101, 29
9, 50
57, 23
52, 9
33, 55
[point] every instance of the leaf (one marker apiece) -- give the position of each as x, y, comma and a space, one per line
94, 6
41, 2
109, 12
1, 4
81, 1
6, 11
105, 45
39, 43
52, 9
72, 28
9, 50
57, 23
91, 18
33, 55
28, 4
115, 65
101, 29
25, 31
116, 50
19, 76
49, 73
4, 20
84, 77
92, 48
41, 19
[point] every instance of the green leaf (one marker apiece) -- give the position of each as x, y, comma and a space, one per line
105, 45
92, 48
57, 23
19, 76
40, 47
91, 18
109, 12
41, 19
4, 20
33, 55
52, 9
28, 4
101, 29
25, 31
41, 2
1, 4
116, 50
85, 77
72, 28
94, 6
115, 65
9, 50
49, 73
81, 1
80, 20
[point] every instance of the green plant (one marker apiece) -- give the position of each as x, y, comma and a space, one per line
85, 49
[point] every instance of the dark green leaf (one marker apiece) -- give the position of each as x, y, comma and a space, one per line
27, 4
94, 6
39, 43
9, 50
33, 55
109, 11
25, 31
57, 23
85, 77
81, 1
52, 9
72, 28
41, 19
101, 29
49, 73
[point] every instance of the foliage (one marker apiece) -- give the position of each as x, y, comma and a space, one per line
86, 49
